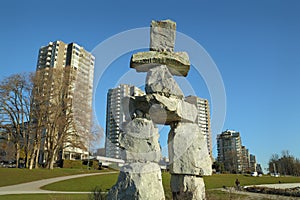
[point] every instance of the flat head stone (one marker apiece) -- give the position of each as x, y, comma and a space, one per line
178, 63
162, 35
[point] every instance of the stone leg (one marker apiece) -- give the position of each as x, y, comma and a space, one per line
139, 141
189, 159
187, 187
138, 181
188, 152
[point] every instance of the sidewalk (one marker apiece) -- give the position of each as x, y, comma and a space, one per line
258, 196
278, 186
34, 187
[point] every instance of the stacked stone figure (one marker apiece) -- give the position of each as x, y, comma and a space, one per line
163, 104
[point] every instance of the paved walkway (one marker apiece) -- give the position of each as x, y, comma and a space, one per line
258, 196
34, 187
279, 186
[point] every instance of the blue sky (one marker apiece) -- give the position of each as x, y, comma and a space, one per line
255, 45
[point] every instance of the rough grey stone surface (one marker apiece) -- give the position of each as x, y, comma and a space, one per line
159, 108
177, 62
187, 187
166, 110
188, 151
139, 141
162, 35
160, 80
138, 181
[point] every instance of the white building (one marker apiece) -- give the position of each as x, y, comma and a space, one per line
115, 117
230, 150
80, 79
203, 118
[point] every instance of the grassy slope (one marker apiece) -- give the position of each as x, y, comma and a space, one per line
216, 181
86, 184
211, 182
11, 176
45, 197
211, 195
106, 181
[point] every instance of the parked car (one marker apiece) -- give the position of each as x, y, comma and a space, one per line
254, 174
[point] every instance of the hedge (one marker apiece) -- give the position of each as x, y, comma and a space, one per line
80, 164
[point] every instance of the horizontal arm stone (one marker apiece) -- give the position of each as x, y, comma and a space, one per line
177, 62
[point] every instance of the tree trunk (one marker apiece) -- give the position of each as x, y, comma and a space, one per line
33, 156
52, 158
51, 164
27, 157
32, 160
37, 156
17, 145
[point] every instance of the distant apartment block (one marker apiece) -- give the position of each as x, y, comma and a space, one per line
235, 157
253, 164
230, 150
59, 55
115, 117
99, 152
245, 159
203, 118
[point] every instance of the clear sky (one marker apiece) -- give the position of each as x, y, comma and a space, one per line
255, 45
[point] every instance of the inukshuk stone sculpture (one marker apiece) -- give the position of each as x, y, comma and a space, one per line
164, 104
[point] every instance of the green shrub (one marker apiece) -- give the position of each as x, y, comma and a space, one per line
97, 194
73, 164
93, 164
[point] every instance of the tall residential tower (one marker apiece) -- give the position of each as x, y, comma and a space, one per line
203, 118
115, 116
230, 150
77, 65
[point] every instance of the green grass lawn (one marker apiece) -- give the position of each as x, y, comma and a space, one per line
105, 182
84, 184
211, 195
45, 197
11, 176
211, 182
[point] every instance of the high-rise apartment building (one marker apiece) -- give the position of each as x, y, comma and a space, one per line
79, 77
253, 164
115, 117
230, 150
203, 118
235, 157
245, 159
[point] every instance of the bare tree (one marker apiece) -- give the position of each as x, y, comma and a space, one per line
96, 133
48, 111
39, 107
231, 164
15, 94
287, 164
54, 105
61, 112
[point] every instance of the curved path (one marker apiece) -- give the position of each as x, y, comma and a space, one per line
257, 196
34, 187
